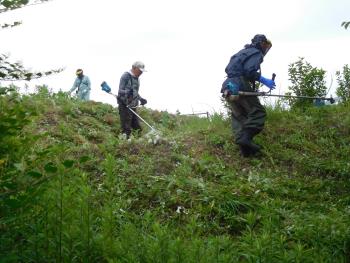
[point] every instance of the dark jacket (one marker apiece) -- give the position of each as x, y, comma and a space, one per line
128, 93
244, 67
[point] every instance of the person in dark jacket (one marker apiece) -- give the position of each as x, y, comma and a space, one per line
128, 96
248, 115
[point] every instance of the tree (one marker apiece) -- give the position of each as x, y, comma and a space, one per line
343, 79
15, 71
345, 24
306, 81
6, 5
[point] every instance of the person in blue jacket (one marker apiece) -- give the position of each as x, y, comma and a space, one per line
82, 85
129, 97
243, 71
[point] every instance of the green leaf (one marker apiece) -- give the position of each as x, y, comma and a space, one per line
43, 153
345, 24
12, 202
50, 168
35, 174
68, 163
7, 3
19, 166
84, 159
10, 185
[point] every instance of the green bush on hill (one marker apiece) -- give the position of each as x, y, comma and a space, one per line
72, 191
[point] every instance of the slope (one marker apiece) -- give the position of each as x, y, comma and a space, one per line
73, 191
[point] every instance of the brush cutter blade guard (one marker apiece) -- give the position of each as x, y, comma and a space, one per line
105, 87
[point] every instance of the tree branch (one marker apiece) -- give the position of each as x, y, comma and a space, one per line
8, 5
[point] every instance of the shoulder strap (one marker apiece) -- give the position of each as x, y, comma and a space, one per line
130, 76
81, 81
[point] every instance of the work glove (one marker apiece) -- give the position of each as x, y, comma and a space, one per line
267, 82
143, 101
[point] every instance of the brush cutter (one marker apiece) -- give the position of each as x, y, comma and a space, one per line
153, 133
267, 94
138, 116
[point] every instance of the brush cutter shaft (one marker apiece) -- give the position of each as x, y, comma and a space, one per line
247, 93
134, 112
138, 116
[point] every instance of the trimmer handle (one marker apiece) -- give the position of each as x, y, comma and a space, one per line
273, 76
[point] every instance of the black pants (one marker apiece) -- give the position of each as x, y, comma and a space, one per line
247, 115
128, 120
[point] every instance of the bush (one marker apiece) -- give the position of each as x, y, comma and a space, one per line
306, 81
343, 79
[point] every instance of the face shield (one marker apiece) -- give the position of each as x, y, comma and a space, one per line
266, 45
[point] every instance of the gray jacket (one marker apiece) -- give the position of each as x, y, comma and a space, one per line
128, 93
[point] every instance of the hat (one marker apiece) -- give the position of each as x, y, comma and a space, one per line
79, 71
140, 65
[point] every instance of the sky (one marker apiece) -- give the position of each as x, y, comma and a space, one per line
185, 44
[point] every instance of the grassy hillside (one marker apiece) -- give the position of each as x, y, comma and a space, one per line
72, 191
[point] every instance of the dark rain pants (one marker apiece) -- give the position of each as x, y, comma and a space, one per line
248, 116
129, 121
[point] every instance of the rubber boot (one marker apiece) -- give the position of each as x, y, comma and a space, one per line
246, 144
245, 151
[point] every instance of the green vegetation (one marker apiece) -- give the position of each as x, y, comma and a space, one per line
72, 191
15, 71
306, 80
343, 79
345, 24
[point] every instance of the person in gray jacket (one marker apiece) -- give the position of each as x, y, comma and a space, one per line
82, 85
128, 96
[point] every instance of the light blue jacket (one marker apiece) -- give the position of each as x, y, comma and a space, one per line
83, 86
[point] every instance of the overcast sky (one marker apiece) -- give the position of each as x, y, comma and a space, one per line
185, 44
